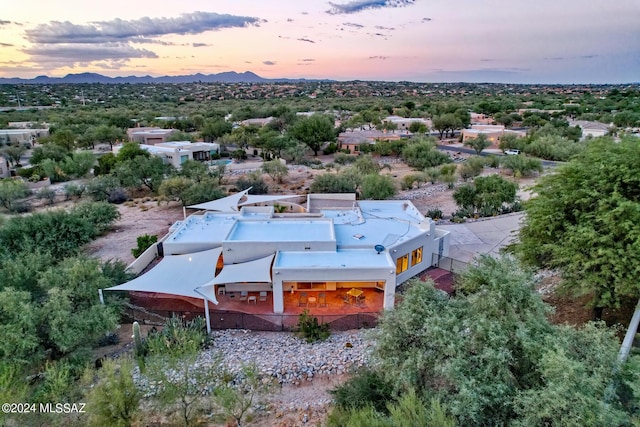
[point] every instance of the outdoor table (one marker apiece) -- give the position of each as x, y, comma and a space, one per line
355, 293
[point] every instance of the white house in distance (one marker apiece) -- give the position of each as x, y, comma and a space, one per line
149, 135
493, 133
22, 136
335, 244
176, 153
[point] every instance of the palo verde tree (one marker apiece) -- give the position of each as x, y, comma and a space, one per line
313, 131
585, 221
478, 143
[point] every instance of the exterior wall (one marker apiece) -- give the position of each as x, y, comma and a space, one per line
242, 251
22, 135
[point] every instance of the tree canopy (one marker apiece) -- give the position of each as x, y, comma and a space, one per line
585, 221
313, 131
492, 357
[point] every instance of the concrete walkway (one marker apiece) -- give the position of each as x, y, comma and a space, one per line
484, 236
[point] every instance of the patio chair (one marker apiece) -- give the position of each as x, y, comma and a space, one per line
263, 296
346, 298
244, 295
360, 299
304, 299
322, 299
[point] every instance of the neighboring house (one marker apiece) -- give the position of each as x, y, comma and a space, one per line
589, 128
148, 135
336, 244
257, 122
9, 136
493, 133
404, 123
352, 140
176, 153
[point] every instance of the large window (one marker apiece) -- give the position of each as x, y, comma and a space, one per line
402, 264
416, 256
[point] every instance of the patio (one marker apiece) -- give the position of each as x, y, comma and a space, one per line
335, 303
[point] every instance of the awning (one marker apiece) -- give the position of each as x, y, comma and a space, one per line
257, 271
225, 204
263, 198
177, 275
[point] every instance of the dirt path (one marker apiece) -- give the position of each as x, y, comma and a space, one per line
143, 216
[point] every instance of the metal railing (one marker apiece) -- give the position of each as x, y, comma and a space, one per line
449, 264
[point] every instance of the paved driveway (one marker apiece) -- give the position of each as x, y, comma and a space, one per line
484, 236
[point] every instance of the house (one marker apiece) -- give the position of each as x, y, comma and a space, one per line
176, 153
336, 244
352, 140
493, 133
22, 136
403, 123
149, 135
590, 128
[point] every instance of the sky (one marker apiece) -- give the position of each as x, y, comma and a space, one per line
508, 41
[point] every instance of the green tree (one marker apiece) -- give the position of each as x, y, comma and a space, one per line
377, 187
48, 151
478, 143
334, 183
64, 138
313, 131
522, 165
13, 153
471, 168
131, 150
115, 399
20, 344
144, 242
72, 317
275, 169
237, 395
142, 171
106, 163
12, 190
213, 130
584, 222
487, 196
421, 153
108, 134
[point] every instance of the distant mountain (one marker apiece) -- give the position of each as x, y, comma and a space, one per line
226, 77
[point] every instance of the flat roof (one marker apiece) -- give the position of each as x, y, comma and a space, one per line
275, 230
358, 258
398, 209
210, 227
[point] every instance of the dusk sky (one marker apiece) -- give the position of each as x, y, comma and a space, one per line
510, 41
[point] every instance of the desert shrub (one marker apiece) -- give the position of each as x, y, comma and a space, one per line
144, 242
310, 330
377, 187
435, 214
522, 165
255, 181
343, 159
366, 388
471, 168
74, 190
423, 154
47, 194
492, 161
334, 183
331, 148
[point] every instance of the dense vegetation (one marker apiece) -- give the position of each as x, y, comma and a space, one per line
490, 356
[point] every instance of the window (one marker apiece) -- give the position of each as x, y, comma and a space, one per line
416, 256
402, 264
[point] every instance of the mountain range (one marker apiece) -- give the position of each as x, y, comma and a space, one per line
226, 77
